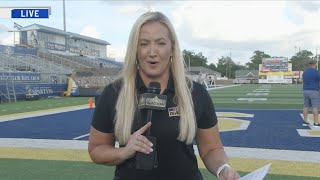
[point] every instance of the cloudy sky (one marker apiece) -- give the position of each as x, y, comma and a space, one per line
215, 28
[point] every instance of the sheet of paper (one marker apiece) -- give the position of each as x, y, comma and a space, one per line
258, 174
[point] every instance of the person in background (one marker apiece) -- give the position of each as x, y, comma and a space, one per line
153, 55
311, 79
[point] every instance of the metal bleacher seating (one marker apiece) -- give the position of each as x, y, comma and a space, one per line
31, 63
93, 62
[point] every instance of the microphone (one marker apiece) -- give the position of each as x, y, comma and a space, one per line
152, 100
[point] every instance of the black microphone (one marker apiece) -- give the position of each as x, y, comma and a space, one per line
152, 100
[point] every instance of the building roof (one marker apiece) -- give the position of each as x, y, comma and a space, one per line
202, 70
71, 35
246, 73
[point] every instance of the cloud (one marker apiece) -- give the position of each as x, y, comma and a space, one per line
236, 21
6, 37
219, 28
310, 6
132, 9
116, 52
90, 31
139, 7
8, 40
4, 28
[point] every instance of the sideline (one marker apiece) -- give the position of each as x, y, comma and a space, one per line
221, 87
76, 150
11, 117
232, 152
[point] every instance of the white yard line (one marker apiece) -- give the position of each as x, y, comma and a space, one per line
232, 152
43, 143
79, 137
221, 87
273, 154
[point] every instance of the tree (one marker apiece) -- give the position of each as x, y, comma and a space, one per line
195, 59
227, 67
300, 60
256, 59
224, 66
212, 67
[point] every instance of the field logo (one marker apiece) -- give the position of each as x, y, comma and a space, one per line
228, 121
311, 131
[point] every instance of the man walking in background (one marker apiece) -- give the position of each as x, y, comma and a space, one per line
311, 78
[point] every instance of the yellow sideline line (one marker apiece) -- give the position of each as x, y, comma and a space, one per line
240, 164
43, 111
292, 168
44, 154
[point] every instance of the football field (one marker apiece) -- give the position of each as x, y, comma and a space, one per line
259, 124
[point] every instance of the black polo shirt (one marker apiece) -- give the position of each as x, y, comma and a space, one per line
176, 160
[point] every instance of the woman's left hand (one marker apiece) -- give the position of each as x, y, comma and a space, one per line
228, 174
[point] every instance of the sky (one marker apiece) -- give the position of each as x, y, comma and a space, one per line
215, 28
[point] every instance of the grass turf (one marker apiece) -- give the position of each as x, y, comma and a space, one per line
42, 104
277, 97
17, 169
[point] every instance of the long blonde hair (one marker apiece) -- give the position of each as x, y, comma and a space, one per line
127, 100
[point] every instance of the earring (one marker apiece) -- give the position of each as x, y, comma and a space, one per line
171, 59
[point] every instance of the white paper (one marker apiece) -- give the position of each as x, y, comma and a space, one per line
258, 174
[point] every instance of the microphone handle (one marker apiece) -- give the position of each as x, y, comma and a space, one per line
149, 117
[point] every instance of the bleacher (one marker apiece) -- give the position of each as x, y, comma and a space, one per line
93, 62
61, 60
91, 81
110, 63
95, 77
31, 63
44, 65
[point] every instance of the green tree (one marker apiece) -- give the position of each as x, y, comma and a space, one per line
225, 65
256, 59
195, 59
317, 59
300, 60
212, 67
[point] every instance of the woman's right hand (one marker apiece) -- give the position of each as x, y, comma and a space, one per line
138, 143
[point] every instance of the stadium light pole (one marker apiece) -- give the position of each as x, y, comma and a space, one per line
64, 16
317, 59
229, 65
189, 62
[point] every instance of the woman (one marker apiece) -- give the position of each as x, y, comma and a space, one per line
153, 55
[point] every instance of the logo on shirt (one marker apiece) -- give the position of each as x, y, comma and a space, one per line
173, 111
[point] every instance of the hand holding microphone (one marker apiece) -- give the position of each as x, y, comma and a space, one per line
152, 100
138, 143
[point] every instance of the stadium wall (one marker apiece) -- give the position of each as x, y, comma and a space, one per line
17, 50
42, 89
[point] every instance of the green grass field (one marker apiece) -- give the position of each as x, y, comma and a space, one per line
280, 97
16, 169
41, 104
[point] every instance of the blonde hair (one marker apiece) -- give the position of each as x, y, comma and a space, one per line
127, 100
